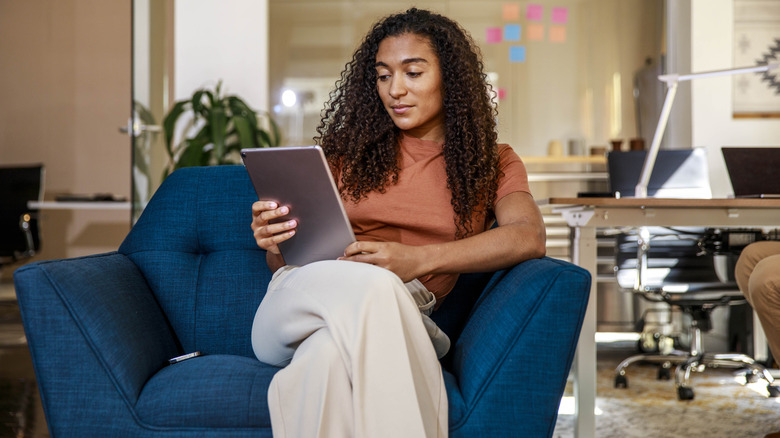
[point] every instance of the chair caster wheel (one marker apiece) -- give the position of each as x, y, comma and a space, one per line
774, 391
621, 381
684, 393
751, 377
664, 373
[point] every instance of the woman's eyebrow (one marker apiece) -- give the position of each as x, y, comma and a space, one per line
405, 61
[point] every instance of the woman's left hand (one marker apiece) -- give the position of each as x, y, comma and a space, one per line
403, 260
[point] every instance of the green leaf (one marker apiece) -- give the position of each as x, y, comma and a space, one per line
192, 155
244, 132
218, 130
169, 124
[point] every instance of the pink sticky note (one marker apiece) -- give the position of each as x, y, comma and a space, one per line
501, 93
535, 32
534, 12
510, 11
557, 34
560, 15
493, 35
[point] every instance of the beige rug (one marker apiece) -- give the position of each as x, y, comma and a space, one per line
724, 406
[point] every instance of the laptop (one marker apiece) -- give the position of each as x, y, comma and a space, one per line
677, 173
753, 171
299, 177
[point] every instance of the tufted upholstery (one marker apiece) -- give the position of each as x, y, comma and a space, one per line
189, 277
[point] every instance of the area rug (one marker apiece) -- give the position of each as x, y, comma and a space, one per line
723, 406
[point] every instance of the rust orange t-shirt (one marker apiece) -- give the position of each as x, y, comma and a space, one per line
417, 210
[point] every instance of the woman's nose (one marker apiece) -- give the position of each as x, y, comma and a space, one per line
397, 87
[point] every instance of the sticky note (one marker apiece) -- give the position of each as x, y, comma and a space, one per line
535, 32
560, 15
557, 34
493, 35
512, 32
534, 12
510, 11
517, 54
501, 93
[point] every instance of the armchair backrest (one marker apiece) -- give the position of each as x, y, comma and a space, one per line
194, 245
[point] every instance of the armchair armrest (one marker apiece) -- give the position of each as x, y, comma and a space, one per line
513, 357
95, 332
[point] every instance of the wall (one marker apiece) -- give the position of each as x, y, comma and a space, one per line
712, 27
65, 90
227, 40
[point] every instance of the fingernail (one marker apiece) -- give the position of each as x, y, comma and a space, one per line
285, 210
272, 205
291, 223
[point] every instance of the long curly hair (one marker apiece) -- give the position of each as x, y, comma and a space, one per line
360, 139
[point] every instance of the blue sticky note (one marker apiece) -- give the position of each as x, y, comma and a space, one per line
517, 54
512, 32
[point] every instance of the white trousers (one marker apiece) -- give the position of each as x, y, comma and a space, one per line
358, 359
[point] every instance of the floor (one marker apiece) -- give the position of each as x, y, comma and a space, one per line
723, 406
21, 413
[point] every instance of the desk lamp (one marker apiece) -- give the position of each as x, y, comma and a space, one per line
671, 81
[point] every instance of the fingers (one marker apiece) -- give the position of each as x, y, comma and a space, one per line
268, 235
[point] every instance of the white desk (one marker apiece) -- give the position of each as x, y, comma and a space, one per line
585, 215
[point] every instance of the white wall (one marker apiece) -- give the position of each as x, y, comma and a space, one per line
227, 40
712, 26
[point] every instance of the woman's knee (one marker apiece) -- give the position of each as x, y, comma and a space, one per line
764, 284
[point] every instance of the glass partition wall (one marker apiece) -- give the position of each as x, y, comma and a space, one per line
564, 71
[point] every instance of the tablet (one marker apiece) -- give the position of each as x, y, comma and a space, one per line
300, 178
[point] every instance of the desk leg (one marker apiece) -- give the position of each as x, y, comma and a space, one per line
760, 352
584, 255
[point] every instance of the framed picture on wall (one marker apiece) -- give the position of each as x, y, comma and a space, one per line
756, 41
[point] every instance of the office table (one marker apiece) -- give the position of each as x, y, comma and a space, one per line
585, 215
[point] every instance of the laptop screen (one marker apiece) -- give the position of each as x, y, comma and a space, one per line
753, 171
677, 173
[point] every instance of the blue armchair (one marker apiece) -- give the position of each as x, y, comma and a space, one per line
189, 277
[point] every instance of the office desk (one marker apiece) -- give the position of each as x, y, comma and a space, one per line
584, 215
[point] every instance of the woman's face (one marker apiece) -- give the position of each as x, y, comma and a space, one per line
409, 84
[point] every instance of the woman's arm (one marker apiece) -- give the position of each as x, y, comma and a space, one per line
520, 236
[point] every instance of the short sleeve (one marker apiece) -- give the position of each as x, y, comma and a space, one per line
514, 177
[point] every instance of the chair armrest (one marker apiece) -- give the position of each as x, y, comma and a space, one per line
514, 354
92, 324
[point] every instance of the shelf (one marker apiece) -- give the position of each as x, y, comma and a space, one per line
54, 205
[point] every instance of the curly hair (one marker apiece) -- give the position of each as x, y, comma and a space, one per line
360, 139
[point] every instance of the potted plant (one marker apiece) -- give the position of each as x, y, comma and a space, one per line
223, 125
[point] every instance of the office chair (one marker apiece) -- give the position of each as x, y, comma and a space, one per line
19, 237
676, 268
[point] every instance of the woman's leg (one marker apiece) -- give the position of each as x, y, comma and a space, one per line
374, 327
758, 276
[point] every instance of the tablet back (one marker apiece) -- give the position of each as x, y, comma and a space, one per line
299, 177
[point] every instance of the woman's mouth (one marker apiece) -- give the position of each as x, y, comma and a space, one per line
400, 109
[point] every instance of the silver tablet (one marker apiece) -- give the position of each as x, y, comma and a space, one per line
299, 177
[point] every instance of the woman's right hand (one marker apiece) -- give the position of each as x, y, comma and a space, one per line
269, 235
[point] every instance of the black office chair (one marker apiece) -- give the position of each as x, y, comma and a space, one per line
19, 236
677, 268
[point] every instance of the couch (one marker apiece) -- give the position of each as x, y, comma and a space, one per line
189, 277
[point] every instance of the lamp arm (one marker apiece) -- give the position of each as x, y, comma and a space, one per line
644, 179
672, 80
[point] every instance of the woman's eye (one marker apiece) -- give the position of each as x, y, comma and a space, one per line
414, 74
382, 78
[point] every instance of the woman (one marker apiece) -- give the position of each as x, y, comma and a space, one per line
410, 135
